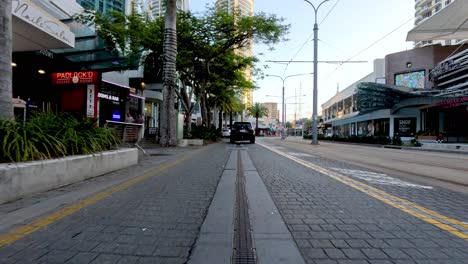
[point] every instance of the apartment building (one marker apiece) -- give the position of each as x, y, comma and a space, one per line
425, 9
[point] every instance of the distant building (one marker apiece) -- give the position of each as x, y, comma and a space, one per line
103, 6
157, 8
245, 8
426, 9
273, 113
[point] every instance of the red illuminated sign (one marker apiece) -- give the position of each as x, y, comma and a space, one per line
84, 77
452, 102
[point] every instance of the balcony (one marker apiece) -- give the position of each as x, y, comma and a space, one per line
421, 10
421, 2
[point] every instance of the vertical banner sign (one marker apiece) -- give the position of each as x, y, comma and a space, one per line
90, 101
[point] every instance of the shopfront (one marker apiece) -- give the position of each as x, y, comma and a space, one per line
112, 103
78, 93
447, 118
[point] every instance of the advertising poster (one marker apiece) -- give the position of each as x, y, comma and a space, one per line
405, 127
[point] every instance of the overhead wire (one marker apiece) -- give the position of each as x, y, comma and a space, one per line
371, 45
311, 36
298, 51
331, 10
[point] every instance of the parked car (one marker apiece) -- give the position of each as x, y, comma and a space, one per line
242, 131
226, 132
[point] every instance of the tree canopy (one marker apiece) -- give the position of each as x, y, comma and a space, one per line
208, 61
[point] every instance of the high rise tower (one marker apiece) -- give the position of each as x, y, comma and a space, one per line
103, 6
157, 8
245, 8
426, 9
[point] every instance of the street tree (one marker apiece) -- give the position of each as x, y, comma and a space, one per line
206, 53
6, 94
168, 120
257, 110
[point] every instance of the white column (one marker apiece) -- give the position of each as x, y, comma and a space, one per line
392, 127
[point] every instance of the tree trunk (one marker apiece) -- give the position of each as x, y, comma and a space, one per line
220, 124
215, 116
225, 120
168, 120
256, 125
230, 119
204, 111
6, 94
188, 122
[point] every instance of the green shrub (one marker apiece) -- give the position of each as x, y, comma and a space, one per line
201, 132
415, 142
397, 141
47, 136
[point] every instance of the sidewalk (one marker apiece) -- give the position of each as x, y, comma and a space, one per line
149, 213
460, 148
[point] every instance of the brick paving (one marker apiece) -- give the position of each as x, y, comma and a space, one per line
154, 221
334, 223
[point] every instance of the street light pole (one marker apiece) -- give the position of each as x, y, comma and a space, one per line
285, 107
283, 79
314, 114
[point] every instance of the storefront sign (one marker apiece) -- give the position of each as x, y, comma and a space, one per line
86, 77
405, 127
116, 115
47, 53
31, 14
443, 68
452, 102
108, 97
90, 102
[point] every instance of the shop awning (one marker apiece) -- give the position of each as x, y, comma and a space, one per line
35, 29
449, 23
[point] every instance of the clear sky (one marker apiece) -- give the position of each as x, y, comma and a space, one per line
352, 26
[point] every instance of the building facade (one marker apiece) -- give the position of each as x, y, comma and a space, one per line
411, 93
273, 114
244, 8
157, 8
103, 6
425, 9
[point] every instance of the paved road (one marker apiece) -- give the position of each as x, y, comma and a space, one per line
419, 165
334, 220
336, 210
151, 219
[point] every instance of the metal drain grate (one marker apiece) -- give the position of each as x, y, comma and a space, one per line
243, 251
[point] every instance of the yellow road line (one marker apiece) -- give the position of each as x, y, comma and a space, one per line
428, 211
24, 230
384, 197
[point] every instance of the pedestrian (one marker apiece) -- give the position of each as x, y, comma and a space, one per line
129, 118
140, 119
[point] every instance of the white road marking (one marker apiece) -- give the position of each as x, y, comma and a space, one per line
297, 154
379, 178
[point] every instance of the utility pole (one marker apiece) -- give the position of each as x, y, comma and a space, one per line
314, 111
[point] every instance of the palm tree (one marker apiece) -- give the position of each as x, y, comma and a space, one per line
168, 117
6, 105
257, 110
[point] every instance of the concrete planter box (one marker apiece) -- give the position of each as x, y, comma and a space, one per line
20, 179
189, 142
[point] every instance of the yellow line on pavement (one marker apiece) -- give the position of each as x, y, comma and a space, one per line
384, 197
24, 230
428, 211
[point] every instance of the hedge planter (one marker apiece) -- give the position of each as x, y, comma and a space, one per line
24, 178
190, 142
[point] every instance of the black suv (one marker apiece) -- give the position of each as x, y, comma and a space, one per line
242, 131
